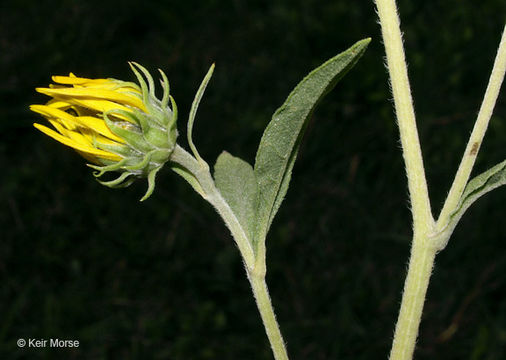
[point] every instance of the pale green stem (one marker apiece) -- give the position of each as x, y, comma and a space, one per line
268, 318
476, 137
411, 150
201, 174
422, 251
425, 245
196, 172
413, 298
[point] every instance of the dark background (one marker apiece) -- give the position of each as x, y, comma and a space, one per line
162, 279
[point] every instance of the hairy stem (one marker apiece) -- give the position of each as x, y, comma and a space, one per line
268, 318
405, 113
422, 251
197, 174
476, 137
415, 289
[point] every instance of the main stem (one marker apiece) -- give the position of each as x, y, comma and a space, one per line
415, 289
390, 28
422, 250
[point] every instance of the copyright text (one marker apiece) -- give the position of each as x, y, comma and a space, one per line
44, 343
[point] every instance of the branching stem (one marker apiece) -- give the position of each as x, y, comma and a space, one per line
427, 235
196, 172
476, 137
199, 170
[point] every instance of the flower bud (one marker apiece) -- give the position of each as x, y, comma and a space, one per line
117, 126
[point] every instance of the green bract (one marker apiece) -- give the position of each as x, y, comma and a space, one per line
150, 134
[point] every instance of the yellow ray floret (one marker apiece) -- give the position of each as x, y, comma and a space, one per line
94, 94
88, 149
110, 84
76, 111
93, 123
74, 80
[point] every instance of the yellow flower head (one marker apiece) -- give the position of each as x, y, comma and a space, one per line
116, 125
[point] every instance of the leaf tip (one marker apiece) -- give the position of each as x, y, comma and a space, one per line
362, 44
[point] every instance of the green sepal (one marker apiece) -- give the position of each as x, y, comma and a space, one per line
160, 156
150, 136
133, 136
116, 182
123, 84
103, 169
121, 150
173, 133
141, 164
166, 89
131, 116
151, 183
140, 79
155, 134
151, 83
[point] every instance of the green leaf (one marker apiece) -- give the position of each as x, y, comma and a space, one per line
189, 177
236, 182
477, 187
193, 111
280, 142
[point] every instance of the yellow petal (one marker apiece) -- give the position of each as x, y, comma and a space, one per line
118, 86
95, 124
58, 104
88, 107
102, 106
99, 126
73, 80
83, 136
93, 93
86, 149
108, 84
73, 134
46, 111
105, 140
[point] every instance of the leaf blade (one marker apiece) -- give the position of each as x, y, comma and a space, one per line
281, 139
237, 184
476, 188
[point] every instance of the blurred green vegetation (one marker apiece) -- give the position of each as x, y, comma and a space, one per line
162, 279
